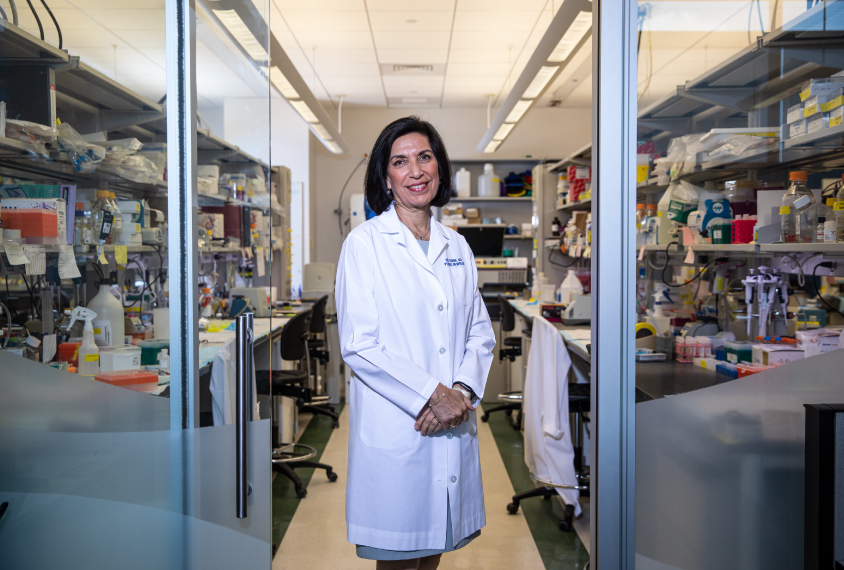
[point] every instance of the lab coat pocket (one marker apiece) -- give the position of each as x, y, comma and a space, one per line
386, 426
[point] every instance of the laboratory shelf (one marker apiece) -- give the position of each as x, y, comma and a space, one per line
681, 113
18, 44
17, 149
493, 199
581, 205
829, 139
650, 186
582, 157
831, 249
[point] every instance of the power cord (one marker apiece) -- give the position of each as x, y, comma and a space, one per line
693, 279
339, 210
55, 22
552, 262
37, 19
829, 265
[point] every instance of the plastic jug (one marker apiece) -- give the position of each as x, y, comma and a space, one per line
489, 184
795, 202
571, 284
463, 183
664, 236
109, 324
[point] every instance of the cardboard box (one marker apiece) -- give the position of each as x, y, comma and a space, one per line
817, 123
452, 219
823, 86
471, 213
833, 100
836, 117
768, 354
795, 113
797, 128
453, 210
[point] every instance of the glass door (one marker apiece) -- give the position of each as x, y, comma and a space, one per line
125, 129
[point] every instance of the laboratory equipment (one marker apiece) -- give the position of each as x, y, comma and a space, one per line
120, 358
88, 353
579, 311
483, 241
257, 298
101, 220
764, 286
109, 328
150, 350
463, 183
570, 287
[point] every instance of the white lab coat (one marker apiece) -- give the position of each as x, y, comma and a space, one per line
407, 323
548, 449
223, 386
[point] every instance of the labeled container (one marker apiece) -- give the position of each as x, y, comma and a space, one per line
127, 377
794, 218
739, 351
489, 184
109, 326
120, 358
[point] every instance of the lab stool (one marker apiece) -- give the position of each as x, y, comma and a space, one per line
512, 401
579, 404
317, 350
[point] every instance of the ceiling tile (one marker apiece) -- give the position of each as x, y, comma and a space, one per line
413, 86
495, 20
411, 40
503, 38
340, 56
498, 70
333, 40
484, 5
425, 21
328, 21
413, 56
318, 5
331, 68
478, 55
430, 5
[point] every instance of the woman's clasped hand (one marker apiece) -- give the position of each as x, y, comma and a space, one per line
446, 409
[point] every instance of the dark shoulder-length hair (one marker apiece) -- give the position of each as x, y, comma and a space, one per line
375, 183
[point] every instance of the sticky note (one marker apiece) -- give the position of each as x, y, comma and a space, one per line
102, 258
690, 257
641, 253
120, 255
37, 264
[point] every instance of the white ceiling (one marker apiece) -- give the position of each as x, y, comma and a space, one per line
478, 47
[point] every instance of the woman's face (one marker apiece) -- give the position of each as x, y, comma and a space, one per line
412, 173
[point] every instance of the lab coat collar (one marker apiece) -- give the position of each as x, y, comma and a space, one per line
391, 224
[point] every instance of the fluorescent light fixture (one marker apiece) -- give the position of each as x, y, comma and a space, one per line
303, 109
543, 76
503, 131
322, 131
518, 110
281, 83
492, 147
578, 29
333, 147
242, 34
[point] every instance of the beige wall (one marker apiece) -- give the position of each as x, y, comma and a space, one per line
544, 133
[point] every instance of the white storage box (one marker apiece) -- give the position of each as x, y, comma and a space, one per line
208, 171
836, 117
794, 113
798, 128
817, 123
119, 358
776, 353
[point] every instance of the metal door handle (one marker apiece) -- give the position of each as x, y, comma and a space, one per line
243, 370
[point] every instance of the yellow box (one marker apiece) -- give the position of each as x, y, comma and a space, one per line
836, 117
641, 172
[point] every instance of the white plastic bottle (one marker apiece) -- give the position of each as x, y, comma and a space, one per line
463, 183
571, 285
89, 354
664, 229
662, 322
489, 184
109, 324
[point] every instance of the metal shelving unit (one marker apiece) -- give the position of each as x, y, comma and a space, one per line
581, 205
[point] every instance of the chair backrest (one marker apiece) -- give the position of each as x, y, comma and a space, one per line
508, 315
318, 315
294, 337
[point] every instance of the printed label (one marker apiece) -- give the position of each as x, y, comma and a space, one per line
102, 332
839, 206
92, 357
785, 210
679, 211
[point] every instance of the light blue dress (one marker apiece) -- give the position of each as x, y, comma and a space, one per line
370, 553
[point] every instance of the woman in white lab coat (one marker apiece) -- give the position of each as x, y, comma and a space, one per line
416, 334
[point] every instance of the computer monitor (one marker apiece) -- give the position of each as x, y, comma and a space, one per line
483, 241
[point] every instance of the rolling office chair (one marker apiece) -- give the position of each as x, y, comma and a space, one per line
294, 384
580, 401
318, 350
510, 349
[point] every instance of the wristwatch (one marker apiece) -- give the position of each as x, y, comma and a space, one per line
466, 391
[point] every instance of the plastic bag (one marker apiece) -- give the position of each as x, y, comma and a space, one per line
684, 200
116, 150
135, 168
84, 155
31, 134
736, 145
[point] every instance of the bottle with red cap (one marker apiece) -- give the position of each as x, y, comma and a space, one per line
796, 203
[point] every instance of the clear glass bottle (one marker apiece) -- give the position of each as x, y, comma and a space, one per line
641, 214
81, 226
102, 218
118, 219
794, 217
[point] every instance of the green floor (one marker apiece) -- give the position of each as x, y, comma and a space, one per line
559, 550
285, 501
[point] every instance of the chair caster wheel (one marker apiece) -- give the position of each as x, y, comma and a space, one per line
512, 508
564, 526
301, 493
508, 412
485, 418
332, 476
336, 425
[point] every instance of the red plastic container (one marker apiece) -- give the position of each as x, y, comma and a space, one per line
743, 231
127, 378
68, 352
